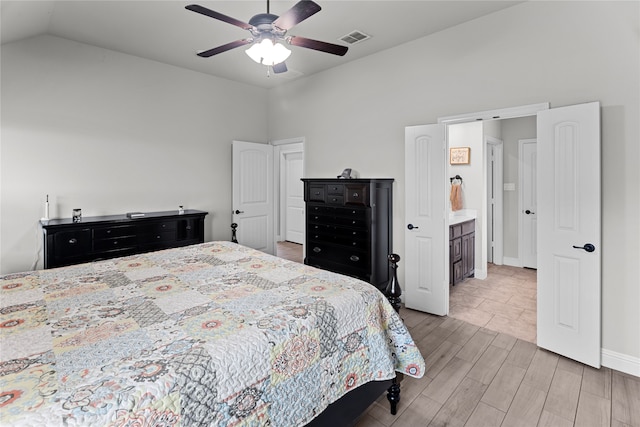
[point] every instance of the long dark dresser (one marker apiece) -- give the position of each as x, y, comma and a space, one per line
349, 227
102, 237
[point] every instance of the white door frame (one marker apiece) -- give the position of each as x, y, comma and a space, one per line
497, 184
498, 114
282, 147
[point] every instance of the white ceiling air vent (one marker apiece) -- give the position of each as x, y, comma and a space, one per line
354, 37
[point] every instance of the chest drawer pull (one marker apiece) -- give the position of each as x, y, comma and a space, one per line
355, 195
317, 250
73, 241
354, 258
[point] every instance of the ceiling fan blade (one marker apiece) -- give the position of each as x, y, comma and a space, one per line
298, 13
219, 16
224, 48
280, 68
334, 49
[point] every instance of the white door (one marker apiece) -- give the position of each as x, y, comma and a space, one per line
252, 199
294, 197
426, 274
529, 208
569, 250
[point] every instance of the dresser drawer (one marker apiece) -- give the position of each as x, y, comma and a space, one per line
357, 194
158, 227
335, 200
116, 243
167, 236
333, 189
114, 231
316, 193
337, 221
344, 256
72, 243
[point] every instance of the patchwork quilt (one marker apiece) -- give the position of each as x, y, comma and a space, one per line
215, 334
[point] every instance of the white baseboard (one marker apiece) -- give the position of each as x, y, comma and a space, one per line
621, 362
512, 262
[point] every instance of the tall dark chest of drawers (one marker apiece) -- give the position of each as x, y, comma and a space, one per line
94, 238
349, 227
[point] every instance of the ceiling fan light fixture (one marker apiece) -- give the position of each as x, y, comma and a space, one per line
268, 53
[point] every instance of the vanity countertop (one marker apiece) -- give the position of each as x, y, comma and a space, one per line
462, 216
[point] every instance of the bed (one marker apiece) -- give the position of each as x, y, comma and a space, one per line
209, 334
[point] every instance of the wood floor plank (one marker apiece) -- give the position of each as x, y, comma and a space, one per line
562, 399
597, 381
459, 407
420, 413
526, 408
521, 354
484, 416
437, 360
547, 419
593, 411
488, 365
504, 387
473, 349
625, 396
504, 341
541, 370
446, 382
463, 334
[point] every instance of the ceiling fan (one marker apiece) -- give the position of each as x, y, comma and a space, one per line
267, 31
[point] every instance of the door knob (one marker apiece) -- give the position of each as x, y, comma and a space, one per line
411, 227
528, 212
238, 212
587, 247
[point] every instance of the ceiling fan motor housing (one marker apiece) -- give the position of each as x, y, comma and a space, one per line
263, 21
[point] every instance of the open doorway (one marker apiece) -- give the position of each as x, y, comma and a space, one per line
502, 296
289, 157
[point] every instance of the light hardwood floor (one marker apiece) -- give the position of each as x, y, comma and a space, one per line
504, 302
479, 376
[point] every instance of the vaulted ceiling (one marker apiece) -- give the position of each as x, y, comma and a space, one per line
164, 31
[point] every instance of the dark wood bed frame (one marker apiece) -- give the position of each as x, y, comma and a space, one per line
346, 410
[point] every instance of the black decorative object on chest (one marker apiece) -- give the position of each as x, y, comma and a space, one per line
348, 227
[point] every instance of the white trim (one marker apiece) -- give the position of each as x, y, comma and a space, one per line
281, 148
620, 362
499, 114
512, 262
498, 240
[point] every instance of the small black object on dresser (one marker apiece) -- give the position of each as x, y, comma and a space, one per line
101, 237
349, 227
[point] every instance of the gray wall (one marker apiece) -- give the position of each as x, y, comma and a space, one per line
111, 133
558, 52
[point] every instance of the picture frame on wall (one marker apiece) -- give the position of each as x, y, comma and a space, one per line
459, 155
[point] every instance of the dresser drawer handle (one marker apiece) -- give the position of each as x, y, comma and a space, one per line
158, 237
188, 227
354, 258
108, 231
73, 241
317, 250
115, 242
355, 195
317, 193
334, 200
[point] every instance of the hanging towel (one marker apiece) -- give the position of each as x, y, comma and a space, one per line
456, 197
